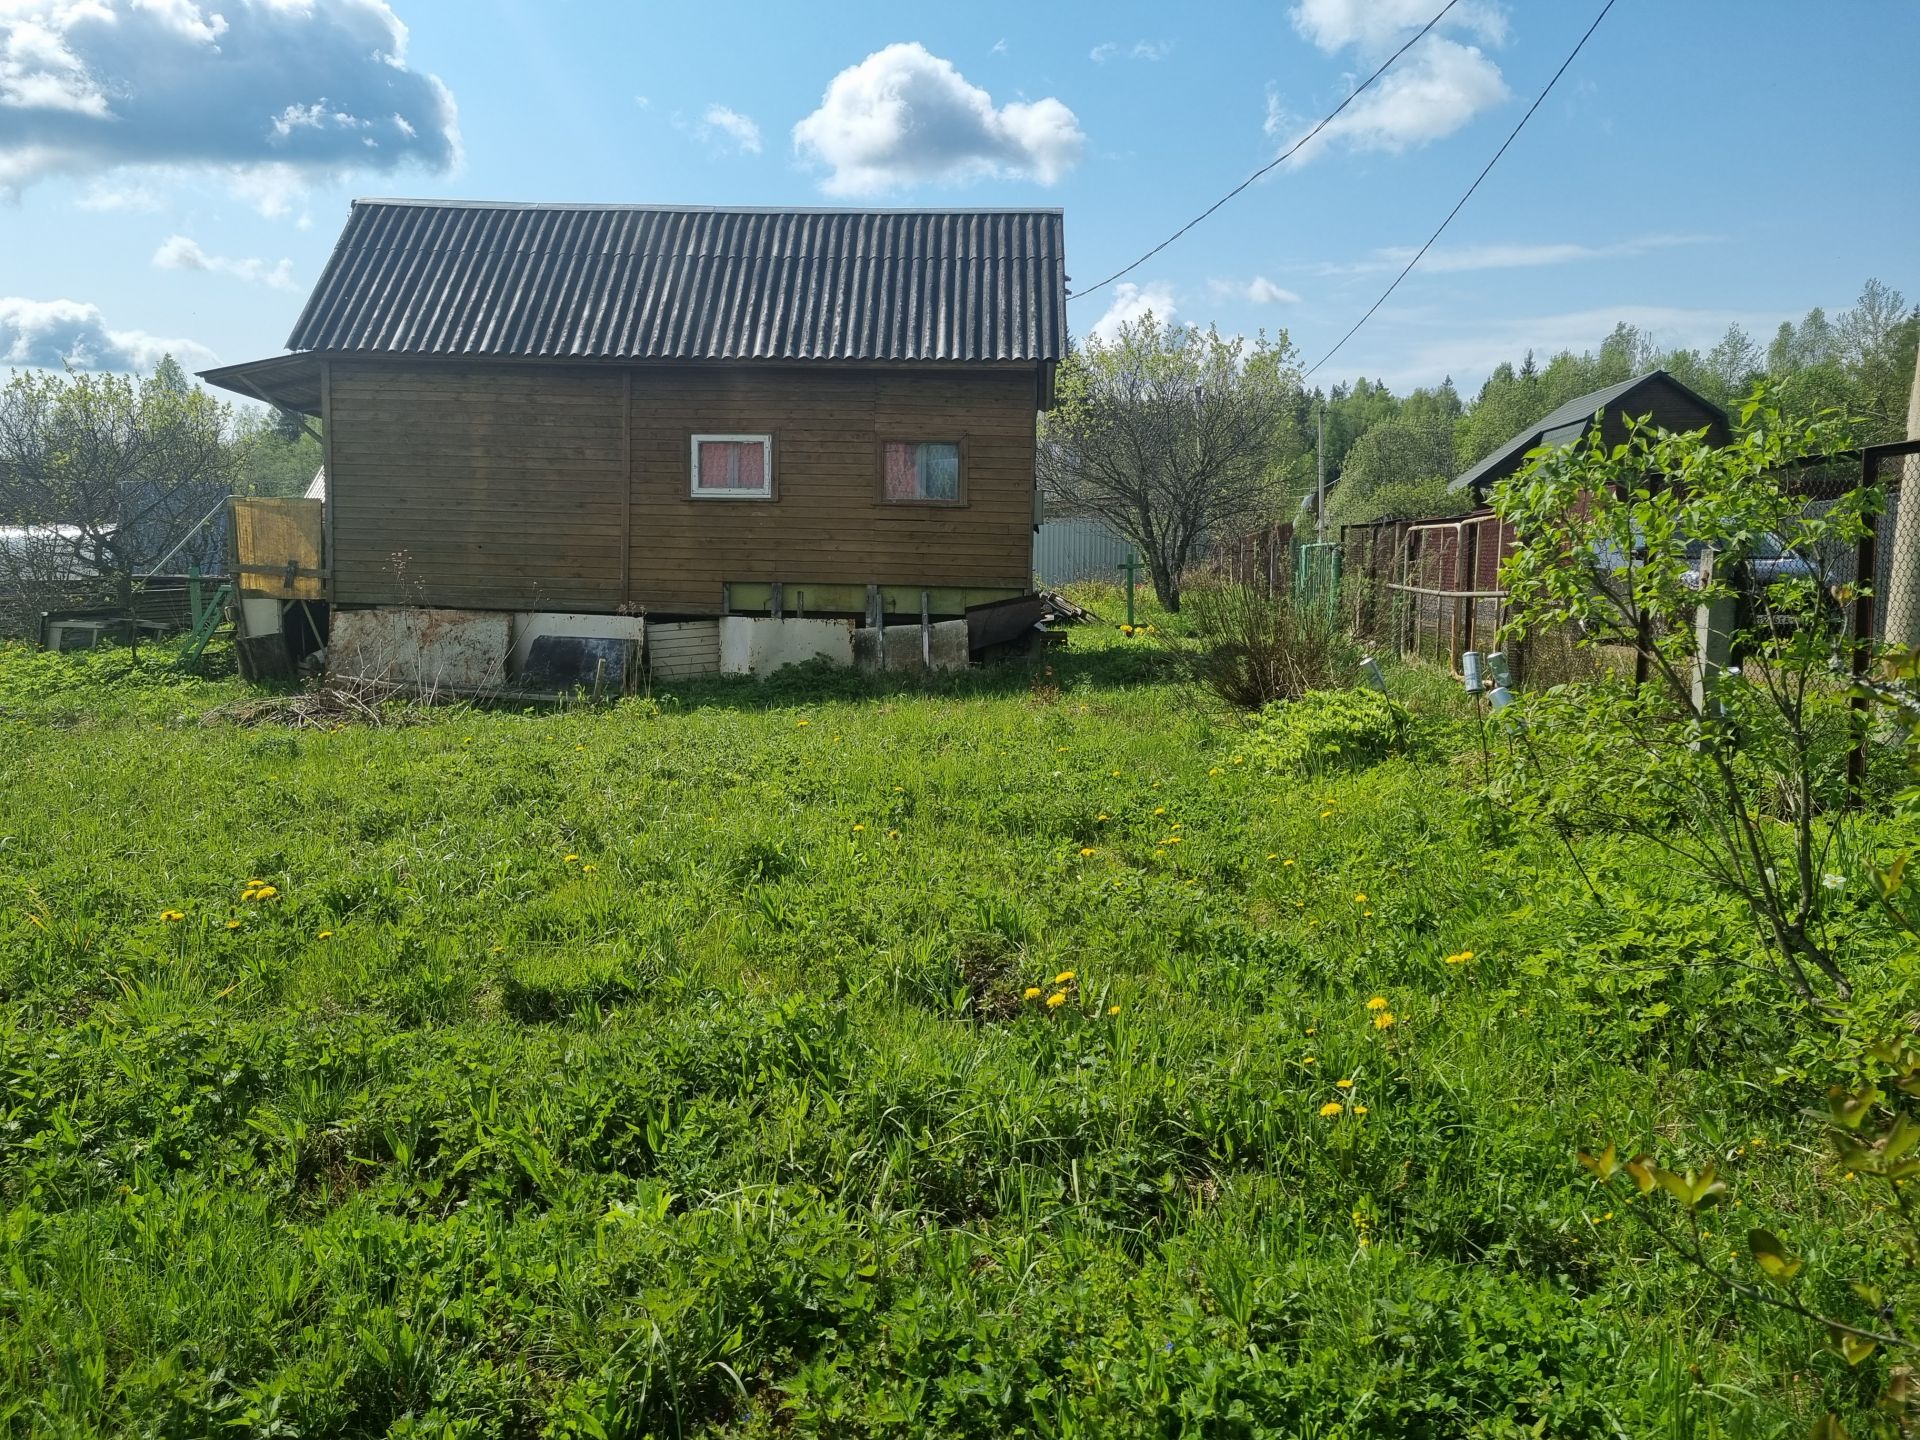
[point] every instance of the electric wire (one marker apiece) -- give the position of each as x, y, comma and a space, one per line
1458, 205
1277, 160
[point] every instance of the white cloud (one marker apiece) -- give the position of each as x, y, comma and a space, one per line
904, 116
642, 101
1139, 50
999, 46
103, 195
1378, 26
1129, 303
310, 89
1443, 344
737, 128
1431, 91
1257, 291
178, 252
53, 334
1445, 260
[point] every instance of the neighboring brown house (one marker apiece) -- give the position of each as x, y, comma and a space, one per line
685, 411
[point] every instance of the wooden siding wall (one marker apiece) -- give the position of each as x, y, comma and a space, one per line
514, 487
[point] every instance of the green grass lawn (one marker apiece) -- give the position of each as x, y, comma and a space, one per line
997, 1058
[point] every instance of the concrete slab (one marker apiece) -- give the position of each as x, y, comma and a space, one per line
422, 649
898, 647
760, 645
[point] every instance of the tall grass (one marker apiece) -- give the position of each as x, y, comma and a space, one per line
1252, 649
668, 1068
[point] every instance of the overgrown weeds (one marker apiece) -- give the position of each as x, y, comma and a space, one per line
1252, 649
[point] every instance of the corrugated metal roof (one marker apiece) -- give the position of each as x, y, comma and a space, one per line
1573, 418
632, 282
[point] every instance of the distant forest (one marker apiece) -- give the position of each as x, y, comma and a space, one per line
1392, 455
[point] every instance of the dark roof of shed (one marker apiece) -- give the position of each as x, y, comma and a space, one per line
1570, 422
646, 282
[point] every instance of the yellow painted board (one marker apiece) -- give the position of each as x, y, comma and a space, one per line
270, 535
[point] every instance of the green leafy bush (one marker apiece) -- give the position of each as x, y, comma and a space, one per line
1330, 730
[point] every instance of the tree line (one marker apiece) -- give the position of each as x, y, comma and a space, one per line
103, 477
1178, 437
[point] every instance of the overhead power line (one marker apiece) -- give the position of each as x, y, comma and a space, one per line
1461, 203
1284, 155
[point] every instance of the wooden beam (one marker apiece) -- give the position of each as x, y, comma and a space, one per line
331, 502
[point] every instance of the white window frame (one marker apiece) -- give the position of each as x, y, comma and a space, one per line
729, 492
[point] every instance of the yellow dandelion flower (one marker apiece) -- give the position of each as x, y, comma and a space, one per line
1366, 914
1344, 1084
1056, 1000
1326, 814
172, 915
1160, 810
266, 892
1360, 898
1313, 1030
858, 828
1238, 760
1100, 817
893, 834
233, 924
899, 789
1309, 1060
1273, 855
1088, 850
1331, 1108
588, 869
1359, 1109
1461, 958
569, 858
1383, 1021
1378, 1002
1116, 774
1286, 863
1065, 977
324, 935
1113, 1009
1032, 992
800, 724
1214, 771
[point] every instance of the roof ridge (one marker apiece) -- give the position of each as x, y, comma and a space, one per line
424, 202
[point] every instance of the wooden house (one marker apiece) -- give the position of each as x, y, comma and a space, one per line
678, 413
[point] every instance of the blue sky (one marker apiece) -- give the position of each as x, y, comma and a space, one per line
173, 172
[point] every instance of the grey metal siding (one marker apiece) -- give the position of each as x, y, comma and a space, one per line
655, 283
1068, 551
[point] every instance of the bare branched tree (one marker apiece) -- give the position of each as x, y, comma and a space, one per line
101, 475
1172, 436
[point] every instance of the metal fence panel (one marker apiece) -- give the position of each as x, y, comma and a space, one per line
1079, 548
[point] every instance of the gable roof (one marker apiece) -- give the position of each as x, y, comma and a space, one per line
646, 282
1672, 406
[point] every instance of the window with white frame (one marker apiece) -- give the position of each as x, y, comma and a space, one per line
924, 470
733, 467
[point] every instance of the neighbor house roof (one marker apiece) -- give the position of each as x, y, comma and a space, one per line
647, 282
1657, 395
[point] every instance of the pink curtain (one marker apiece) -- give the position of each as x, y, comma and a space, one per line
903, 480
732, 465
